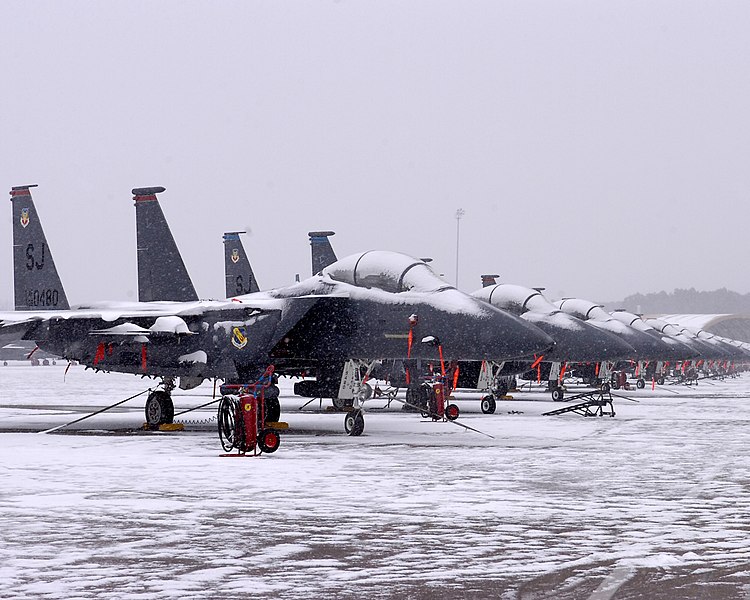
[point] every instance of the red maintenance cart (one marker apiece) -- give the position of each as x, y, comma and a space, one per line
242, 419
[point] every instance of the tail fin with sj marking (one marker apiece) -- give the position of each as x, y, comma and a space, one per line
36, 282
240, 278
322, 252
161, 271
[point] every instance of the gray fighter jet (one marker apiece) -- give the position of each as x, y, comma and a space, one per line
322, 319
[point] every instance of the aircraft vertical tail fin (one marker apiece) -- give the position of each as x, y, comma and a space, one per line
488, 280
322, 251
240, 278
161, 271
36, 282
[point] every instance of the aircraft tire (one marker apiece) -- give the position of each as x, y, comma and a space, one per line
354, 423
340, 403
558, 395
159, 409
273, 410
640, 383
488, 405
268, 441
452, 412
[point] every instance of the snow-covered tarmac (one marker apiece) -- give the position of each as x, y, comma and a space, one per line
654, 503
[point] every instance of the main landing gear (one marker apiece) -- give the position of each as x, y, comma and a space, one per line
159, 406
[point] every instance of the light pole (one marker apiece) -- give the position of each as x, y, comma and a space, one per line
459, 214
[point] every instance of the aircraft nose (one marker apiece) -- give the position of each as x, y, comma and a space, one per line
577, 341
488, 333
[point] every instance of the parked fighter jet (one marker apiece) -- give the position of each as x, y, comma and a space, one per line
329, 319
576, 341
655, 370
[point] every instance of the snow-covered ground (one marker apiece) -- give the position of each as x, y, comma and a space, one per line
654, 503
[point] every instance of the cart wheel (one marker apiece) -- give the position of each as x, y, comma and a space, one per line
605, 387
452, 412
354, 423
641, 383
558, 395
660, 381
273, 410
159, 409
488, 405
269, 441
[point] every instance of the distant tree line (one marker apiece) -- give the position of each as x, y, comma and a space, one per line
686, 301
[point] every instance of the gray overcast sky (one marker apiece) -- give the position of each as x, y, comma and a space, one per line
598, 148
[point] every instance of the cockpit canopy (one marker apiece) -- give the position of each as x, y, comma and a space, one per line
516, 299
389, 271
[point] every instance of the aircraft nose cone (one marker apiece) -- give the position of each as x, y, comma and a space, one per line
646, 346
678, 349
488, 333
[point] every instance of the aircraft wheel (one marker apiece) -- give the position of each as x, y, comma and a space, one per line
354, 423
605, 388
269, 441
273, 410
488, 405
660, 381
452, 412
558, 395
159, 409
340, 403
641, 383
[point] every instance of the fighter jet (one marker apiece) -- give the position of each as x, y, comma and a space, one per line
330, 319
647, 347
655, 370
576, 341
